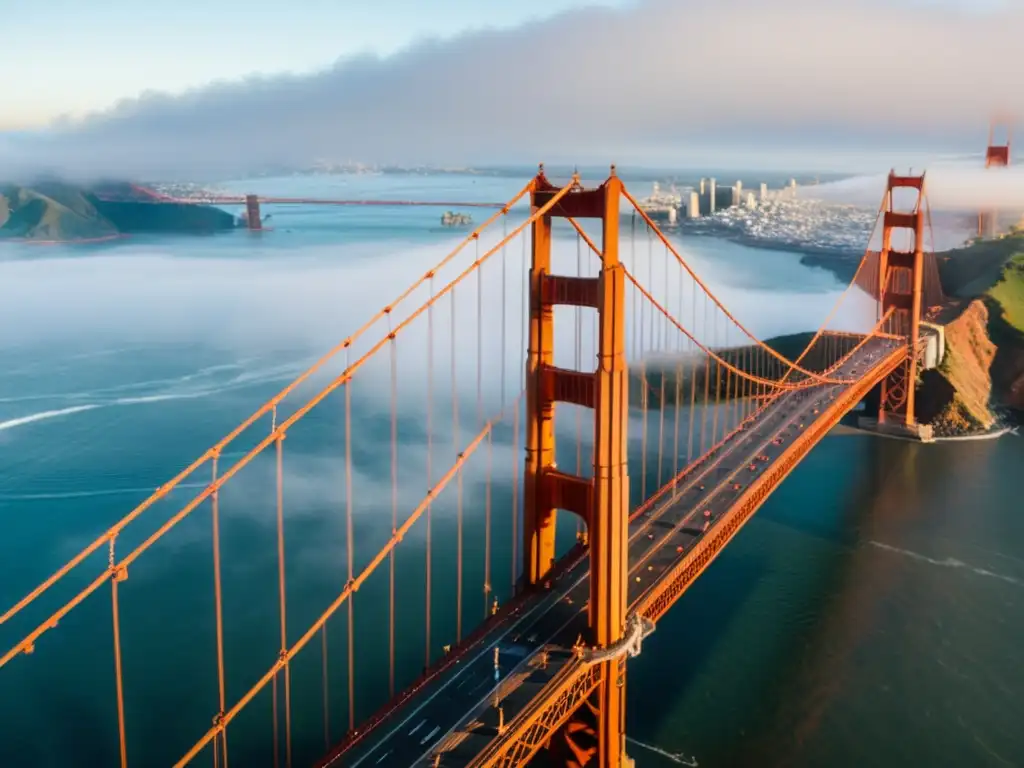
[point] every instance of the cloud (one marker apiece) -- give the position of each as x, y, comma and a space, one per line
959, 186
660, 76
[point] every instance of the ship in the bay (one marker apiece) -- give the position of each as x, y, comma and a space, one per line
453, 219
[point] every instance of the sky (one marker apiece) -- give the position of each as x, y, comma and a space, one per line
168, 88
87, 57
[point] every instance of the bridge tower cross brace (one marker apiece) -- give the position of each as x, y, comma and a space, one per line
901, 276
603, 500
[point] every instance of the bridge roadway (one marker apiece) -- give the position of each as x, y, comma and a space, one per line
454, 713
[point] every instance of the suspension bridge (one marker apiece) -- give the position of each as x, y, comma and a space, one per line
254, 203
483, 606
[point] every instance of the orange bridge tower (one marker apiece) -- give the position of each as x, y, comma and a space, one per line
603, 500
901, 277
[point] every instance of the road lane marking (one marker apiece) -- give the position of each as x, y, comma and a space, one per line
422, 723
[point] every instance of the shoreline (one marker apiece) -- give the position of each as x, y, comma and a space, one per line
77, 241
850, 430
819, 254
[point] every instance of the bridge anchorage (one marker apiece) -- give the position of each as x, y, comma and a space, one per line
691, 422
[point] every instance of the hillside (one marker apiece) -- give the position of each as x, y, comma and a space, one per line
984, 326
988, 277
51, 212
57, 212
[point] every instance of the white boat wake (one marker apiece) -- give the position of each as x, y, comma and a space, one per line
676, 757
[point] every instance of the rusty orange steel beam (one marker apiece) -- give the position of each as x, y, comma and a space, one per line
27, 644
528, 732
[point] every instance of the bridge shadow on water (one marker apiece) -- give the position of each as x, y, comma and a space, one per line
708, 682
677, 654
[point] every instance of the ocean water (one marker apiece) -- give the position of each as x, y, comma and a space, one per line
869, 614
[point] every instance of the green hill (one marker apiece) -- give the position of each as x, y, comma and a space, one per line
60, 212
974, 270
984, 362
51, 212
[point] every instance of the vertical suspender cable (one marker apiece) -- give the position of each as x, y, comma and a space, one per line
279, 443
718, 392
480, 424
350, 551
219, 744
707, 379
458, 453
693, 370
274, 684
515, 494
680, 368
661, 423
117, 575
643, 415
634, 296
577, 365
394, 508
325, 687
430, 448
524, 314
487, 521
504, 314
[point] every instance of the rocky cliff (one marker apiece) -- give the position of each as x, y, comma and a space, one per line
955, 398
984, 361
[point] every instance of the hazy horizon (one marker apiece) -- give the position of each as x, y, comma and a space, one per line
665, 83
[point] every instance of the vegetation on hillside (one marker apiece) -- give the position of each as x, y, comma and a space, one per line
55, 211
984, 361
51, 212
1008, 292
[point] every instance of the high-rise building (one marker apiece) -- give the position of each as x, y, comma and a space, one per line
693, 208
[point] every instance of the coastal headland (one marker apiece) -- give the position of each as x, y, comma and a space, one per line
58, 212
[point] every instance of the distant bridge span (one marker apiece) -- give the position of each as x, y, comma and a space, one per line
252, 203
243, 200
